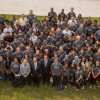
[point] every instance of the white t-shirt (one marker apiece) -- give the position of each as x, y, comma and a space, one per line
22, 22
8, 30
67, 32
70, 22
2, 35
33, 39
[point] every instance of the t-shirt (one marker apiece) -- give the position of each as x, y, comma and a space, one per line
15, 67
78, 74
56, 68
66, 71
2, 35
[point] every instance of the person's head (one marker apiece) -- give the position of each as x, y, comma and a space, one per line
71, 9
37, 52
81, 26
35, 17
1, 58
24, 61
23, 16
66, 57
72, 18
15, 40
89, 18
21, 43
45, 56
34, 59
58, 30
56, 61
61, 49
52, 30
66, 64
62, 10
31, 12
76, 58
55, 54
7, 26
78, 67
30, 29
18, 50
78, 38
97, 63
15, 59
33, 35
67, 28
79, 16
14, 17
8, 49
51, 9
26, 56
89, 48
28, 48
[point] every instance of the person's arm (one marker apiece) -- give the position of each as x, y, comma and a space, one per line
52, 70
97, 75
60, 71
21, 70
79, 78
28, 70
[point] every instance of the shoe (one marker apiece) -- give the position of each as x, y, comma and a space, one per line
94, 87
90, 86
83, 87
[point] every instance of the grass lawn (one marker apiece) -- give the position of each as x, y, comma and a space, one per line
7, 92
41, 17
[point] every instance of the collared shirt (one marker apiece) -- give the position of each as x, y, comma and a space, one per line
35, 65
45, 62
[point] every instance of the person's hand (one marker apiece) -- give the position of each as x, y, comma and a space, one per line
76, 81
52, 74
87, 79
39, 75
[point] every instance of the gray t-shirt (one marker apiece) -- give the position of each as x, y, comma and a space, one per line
15, 67
56, 68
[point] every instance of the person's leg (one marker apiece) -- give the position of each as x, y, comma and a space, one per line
29, 80
54, 80
57, 80
48, 79
44, 79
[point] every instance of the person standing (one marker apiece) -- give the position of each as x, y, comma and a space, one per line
36, 71
25, 72
56, 70
45, 64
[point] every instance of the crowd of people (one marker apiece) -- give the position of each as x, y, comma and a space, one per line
61, 48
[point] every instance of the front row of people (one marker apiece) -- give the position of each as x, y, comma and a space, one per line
22, 72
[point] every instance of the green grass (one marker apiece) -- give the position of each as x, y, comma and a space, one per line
7, 92
41, 17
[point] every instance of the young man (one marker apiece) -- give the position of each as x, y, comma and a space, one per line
45, 64
36, 71
56, 70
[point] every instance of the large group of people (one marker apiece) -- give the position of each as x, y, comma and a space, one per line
61, 48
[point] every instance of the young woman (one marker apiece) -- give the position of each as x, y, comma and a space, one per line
66, 73
86, 73
95, 74
78, 77
15, 68
27, 58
